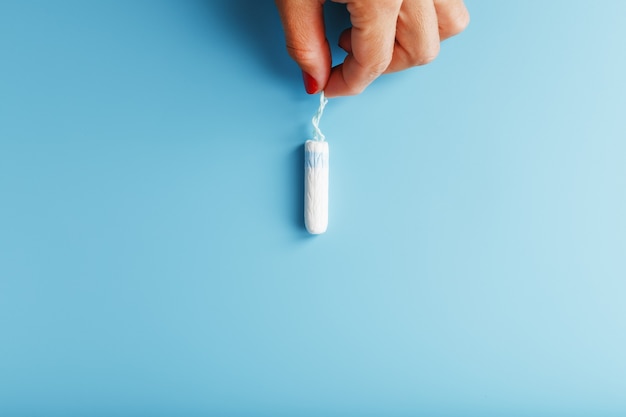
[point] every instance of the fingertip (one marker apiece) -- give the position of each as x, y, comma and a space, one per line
315, 70
311, 86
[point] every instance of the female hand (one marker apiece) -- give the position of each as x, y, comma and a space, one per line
386, 36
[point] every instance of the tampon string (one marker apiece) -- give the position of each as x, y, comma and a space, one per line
317, 133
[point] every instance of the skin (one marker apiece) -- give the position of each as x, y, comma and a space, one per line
386, 36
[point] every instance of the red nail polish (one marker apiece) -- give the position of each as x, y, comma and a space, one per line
310, 84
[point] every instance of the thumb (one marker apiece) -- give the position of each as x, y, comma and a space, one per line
303, 23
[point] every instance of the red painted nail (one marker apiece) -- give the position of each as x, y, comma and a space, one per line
310, 84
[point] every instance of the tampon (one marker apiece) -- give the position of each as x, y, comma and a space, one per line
316, 186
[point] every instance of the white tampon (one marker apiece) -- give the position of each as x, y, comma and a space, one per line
316, 186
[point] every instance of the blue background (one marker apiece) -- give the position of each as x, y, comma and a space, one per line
153, 259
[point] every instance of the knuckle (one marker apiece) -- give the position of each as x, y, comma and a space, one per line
379, 66
355, 87
459, 22
378, 62
301, 54
424, 56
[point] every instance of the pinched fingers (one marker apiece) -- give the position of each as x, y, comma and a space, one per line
386, 36
372, 40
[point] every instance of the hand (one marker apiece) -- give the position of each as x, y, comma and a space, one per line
386, 36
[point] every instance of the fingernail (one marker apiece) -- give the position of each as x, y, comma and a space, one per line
310, 84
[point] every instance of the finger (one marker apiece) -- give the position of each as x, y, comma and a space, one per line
453, 17
345, 40
417, 35
371, 40
303, 23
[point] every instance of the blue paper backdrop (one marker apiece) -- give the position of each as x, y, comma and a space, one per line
153, 259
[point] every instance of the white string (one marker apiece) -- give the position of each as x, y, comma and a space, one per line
317, 133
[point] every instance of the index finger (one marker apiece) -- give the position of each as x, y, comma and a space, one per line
372, 38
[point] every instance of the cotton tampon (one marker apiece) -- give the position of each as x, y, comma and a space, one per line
316, 186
